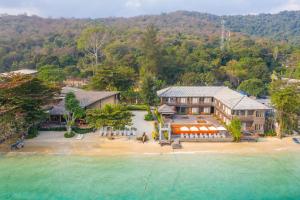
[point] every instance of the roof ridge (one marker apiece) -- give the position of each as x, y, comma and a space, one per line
238, 102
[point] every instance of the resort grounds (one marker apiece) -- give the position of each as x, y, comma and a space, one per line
54, 143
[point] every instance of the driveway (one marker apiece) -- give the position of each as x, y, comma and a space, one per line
142, 125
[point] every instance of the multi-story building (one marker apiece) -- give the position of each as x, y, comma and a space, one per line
222, 102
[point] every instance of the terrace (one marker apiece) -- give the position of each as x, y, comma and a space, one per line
197, 128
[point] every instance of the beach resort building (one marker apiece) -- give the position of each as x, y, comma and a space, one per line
31, 72
87, 100
222, 102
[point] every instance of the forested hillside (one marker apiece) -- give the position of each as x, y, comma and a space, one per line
181, 48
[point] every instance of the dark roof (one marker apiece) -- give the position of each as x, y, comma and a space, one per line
165, 109
85, 98
227, 96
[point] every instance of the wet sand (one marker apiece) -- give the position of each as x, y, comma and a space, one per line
53, 143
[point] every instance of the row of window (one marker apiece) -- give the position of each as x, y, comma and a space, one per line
194, 100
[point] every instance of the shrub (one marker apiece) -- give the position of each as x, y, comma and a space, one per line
155, 135
69, 135
32, 132
270, 133
149, 117
83, 130
235, 128
137, 107
62, 128
166, 135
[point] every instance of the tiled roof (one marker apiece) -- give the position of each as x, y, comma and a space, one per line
84, 97
166, 109
21, 71
185, 91
229, 97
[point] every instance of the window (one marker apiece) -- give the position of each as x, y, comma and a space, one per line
250, 112
171, 100
258, 127
207, 100
183, 100
195, 100
259, 114
195, 110
207, 110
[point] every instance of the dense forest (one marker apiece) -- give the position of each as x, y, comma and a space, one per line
182, 48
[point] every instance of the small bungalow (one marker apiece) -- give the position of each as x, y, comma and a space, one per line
87, 100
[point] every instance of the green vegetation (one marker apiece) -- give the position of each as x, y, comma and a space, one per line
69, 134
21, 103
82, 130
74, 111
286, 100
137, 107
235, 128
51, 74
145, 54
115, 116
32, 132
254, 87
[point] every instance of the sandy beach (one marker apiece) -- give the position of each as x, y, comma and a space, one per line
93, 145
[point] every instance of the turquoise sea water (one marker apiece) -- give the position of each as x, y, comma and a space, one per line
155, 177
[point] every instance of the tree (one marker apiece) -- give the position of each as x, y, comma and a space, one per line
74, 110
22, 99
151, 49
149, 86
235, 128
113, 78
197, 79
115, 116
286, 100
254, 87
92, 40
51, 74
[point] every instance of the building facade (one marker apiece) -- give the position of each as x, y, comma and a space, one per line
222, 102
87, 100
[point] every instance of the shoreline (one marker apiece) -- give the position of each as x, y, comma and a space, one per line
53, 143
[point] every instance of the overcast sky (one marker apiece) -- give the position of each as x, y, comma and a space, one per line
127, 8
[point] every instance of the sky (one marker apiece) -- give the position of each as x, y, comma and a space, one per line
129, 8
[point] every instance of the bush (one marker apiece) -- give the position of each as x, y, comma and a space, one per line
155, 135
32, 132
270, 133
69, 135
137, 107
166, 135
62, 128
149, 117
83, 130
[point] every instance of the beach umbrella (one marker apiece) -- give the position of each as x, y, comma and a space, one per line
221, 128
203, 128
212, 128
194, 128
184, 128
